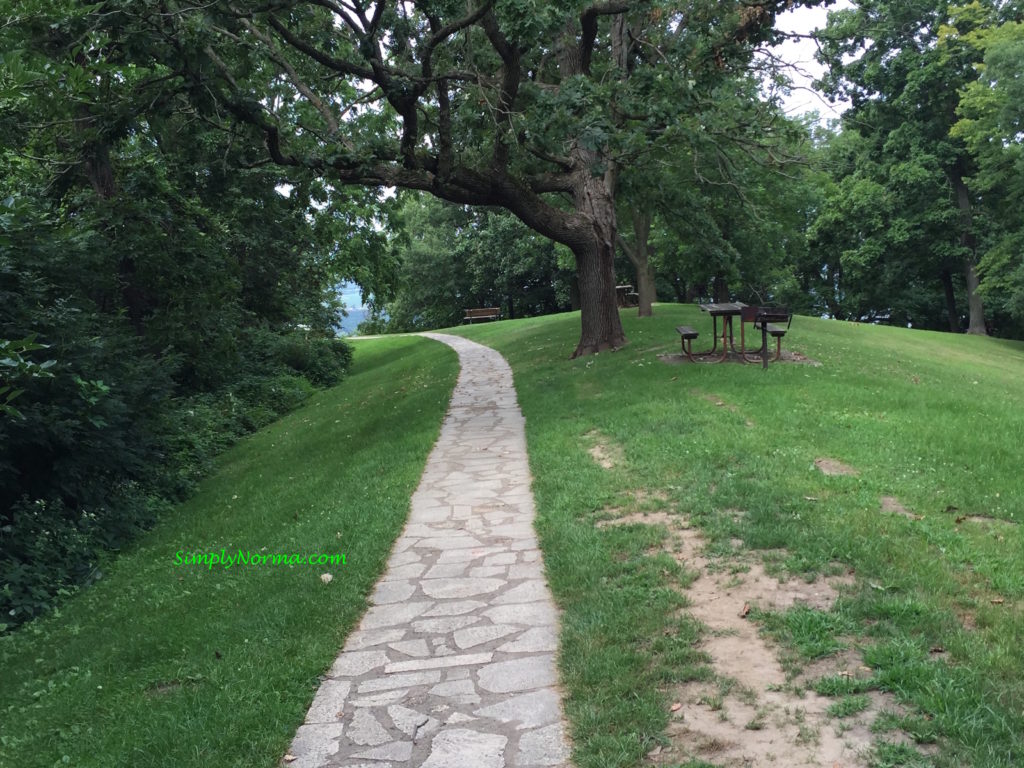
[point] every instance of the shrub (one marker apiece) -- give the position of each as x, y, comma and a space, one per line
321, 359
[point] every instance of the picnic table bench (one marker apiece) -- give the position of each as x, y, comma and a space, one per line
767, 320
625, 296
483, 313
687, 335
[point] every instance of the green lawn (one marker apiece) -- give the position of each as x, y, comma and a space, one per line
933, 420
161, 664
171, 665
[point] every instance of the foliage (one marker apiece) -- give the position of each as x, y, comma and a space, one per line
14, 367
991, 122
455, 258
531, 107
157, 300
921, 207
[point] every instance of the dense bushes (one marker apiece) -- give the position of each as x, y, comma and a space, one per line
93, 452
145, 324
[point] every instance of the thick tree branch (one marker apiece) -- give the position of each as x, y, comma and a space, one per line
510, 78
550, 182
588, 24
443, 33
337, 65
627, 249
562, 162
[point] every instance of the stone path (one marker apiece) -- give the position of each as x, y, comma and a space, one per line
453, 665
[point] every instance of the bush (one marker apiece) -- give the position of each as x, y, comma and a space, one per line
322, 360
96, 453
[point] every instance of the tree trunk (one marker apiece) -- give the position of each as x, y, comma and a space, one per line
595, 266
975, 307
954, 316
601, 326
100, 172
976, 323
640, 256
720, 289
645, 286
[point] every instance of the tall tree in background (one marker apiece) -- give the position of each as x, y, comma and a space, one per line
532, 107
991, 123
725, 215
903, 78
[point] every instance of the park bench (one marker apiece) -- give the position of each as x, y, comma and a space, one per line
625, 296
483, 313
687, 335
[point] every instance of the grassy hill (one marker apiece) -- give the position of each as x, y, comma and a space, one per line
932, 423
168, 663
161, 664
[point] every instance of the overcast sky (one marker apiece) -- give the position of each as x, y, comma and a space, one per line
799, 54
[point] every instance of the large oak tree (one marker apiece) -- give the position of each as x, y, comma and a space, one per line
533, 107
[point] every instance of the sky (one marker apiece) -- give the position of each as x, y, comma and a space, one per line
799, 54
349, 293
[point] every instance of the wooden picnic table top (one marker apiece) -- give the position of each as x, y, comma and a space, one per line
723, 308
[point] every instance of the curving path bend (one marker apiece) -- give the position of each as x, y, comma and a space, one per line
453, 665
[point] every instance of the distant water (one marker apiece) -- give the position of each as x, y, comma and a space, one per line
349, 324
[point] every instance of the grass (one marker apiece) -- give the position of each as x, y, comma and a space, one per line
933, 420
172, 665
848, 706
164, 665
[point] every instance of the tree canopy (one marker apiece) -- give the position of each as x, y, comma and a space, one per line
531, 107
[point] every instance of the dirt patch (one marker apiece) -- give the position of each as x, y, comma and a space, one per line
163, 688
639, 518
645, 496
604, 452
754, 716
968, 619
714, 399
796, 357
991, 522
835, 467
892, 505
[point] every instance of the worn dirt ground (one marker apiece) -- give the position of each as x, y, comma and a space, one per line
753, 714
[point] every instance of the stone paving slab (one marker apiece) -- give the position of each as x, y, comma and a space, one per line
453, 665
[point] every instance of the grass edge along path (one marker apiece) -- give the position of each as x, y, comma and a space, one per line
161, 664
933, 420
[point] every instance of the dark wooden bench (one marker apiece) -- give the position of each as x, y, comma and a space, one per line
687, 335
769, 321
484, 313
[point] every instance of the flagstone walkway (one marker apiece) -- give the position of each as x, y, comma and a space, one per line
453, 665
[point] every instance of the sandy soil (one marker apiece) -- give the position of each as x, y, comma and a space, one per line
754, 715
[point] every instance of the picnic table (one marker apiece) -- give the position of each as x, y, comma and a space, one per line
727, 311
767, 320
